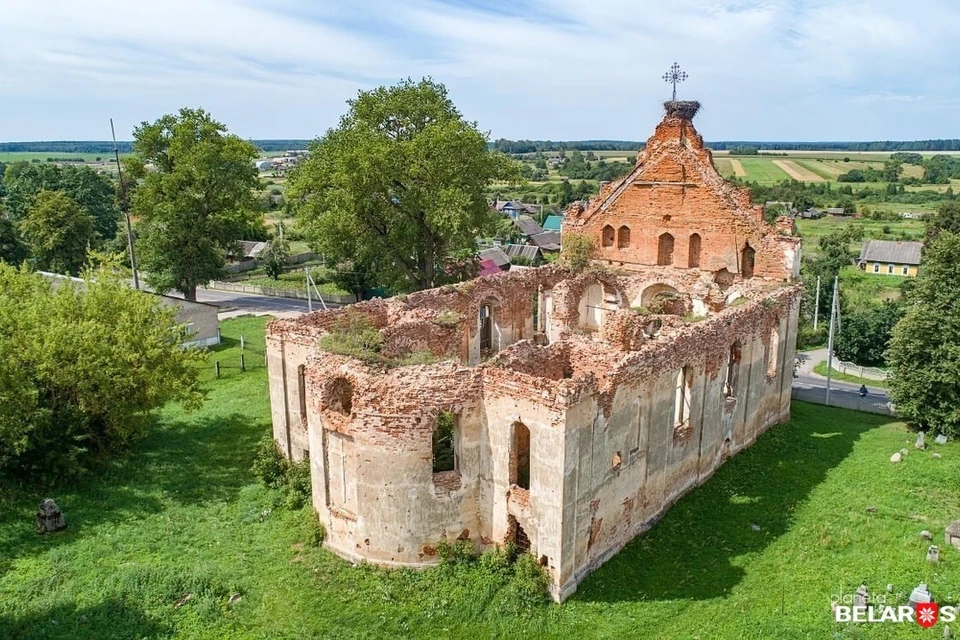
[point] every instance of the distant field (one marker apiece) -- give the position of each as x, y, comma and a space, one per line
762, 170
30, 156
812, 230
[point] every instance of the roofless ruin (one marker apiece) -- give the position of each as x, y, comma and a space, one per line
564, 412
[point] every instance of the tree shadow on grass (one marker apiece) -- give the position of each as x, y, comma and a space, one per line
186, 461
110, 619
689, 553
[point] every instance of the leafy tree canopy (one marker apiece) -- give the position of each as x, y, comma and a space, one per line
274, 257
81, 368
865, 333
93, 192
12, 248
196, 203
398, 187
924, 353
947, 218
58, 232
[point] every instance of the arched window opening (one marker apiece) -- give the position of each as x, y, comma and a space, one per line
445, 440
773, 351
665, 250
747, 261
733, 371
682, 400
520, 456
340, 396
623, 237
693, 252
608, 236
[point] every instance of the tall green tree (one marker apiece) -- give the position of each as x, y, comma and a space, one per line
81, 369
196, 203
398, 186
924, 353
946, 218
93, 192
58, 232
274, 257
865, 333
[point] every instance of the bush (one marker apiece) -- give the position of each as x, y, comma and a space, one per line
312, 529
269, 465
82, 367
275, 471
578, 250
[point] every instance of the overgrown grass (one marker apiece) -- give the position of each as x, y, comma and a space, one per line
185, 516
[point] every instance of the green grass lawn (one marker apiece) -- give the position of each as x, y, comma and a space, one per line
184, 516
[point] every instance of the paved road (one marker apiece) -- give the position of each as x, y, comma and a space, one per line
251, 302
841, 393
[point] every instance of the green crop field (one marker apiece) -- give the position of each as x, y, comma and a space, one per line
158, 545
31, 156
762, 170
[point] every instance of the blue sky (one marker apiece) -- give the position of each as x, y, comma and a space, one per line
560, 69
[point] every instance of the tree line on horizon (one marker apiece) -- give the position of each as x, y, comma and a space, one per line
525, 146
533, 146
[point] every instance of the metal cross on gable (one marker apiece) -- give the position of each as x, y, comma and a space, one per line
675, 75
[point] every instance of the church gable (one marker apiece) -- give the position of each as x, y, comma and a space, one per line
676, 210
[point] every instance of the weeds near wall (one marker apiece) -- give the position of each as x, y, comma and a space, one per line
501, 579
276, 472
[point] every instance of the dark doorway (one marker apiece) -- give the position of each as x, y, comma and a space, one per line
747, 261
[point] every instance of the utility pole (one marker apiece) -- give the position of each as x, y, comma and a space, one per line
126, 214
816, 306
834, 312
306, 272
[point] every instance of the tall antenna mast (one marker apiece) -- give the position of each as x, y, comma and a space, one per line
126, 214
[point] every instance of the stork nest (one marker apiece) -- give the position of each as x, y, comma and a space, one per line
685, 109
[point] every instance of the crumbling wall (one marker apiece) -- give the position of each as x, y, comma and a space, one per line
628, 458
605, 458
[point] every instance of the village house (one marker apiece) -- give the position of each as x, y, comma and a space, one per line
890, 257
563, 411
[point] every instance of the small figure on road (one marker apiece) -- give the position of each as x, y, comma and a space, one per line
863, 391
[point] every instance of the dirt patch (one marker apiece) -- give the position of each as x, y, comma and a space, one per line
738, 169
797, 172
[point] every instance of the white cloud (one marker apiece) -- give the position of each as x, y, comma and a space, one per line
540, 68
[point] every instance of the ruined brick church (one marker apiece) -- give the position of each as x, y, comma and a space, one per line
563, 412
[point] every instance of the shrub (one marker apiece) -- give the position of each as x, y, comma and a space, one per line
354, 335
298, 484
81, 370
277, 472
578, 250
269, 465
313, 530
460, 552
